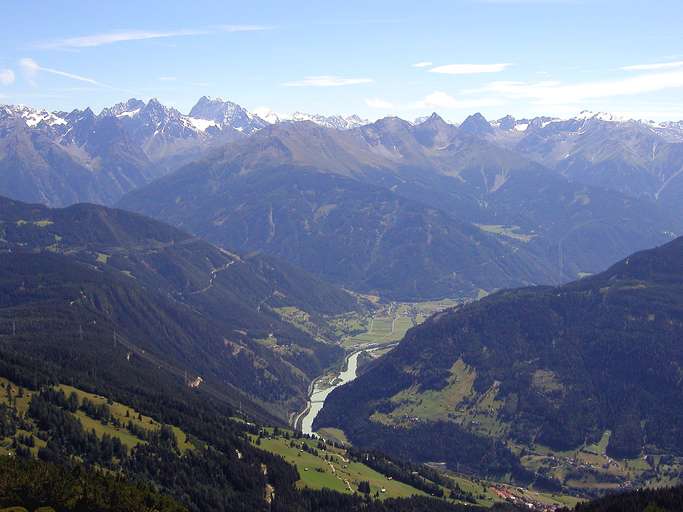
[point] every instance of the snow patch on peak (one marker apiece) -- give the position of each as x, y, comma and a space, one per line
33, 117
269, 115
335, 121
129, 113
600, 116
200, 124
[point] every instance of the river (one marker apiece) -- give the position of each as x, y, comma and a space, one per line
318, 396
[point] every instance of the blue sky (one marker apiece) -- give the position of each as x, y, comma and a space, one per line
374, 58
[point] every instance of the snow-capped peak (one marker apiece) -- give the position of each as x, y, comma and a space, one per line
334, 121
124, 109
269, 115
199, 124
600, 116
129, 113
31, 116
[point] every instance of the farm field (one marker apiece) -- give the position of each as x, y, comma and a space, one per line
391, 321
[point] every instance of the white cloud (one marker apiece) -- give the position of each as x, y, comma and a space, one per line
378, 103
167, 78
93, 40
424, 64
557, 93
31, 68
440, 99
470, 69
327, 81
654, 67
6, 77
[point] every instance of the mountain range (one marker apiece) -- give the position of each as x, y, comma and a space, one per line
61, 158
482, 216
400, 209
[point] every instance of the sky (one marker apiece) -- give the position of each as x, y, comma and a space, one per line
372, 58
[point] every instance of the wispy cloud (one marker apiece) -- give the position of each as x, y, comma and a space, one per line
6, 77
378, 103
440, 99
654, 67
93, 40
557, 93
470, 69
327, 81
31, 69
423, 64
167, 78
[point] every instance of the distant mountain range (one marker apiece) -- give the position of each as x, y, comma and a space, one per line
407, 210
60, 158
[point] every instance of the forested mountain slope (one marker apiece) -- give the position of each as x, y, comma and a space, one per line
108, 277
551, 366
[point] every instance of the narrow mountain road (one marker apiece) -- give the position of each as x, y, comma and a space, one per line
212, 277
260, 304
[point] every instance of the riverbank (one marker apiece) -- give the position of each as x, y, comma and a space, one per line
317, 394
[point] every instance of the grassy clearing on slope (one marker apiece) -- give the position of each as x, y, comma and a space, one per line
457, 402
600, 448
335, 434
432, 405
123, 414
330, 469
19, 399
506, 231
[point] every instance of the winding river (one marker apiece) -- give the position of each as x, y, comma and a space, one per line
317, 398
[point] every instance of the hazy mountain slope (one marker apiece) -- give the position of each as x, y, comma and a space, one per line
292, 189
325, 219
34, 167
636, 158
523, 202
554, 366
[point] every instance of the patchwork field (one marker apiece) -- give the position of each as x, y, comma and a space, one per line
391, 321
